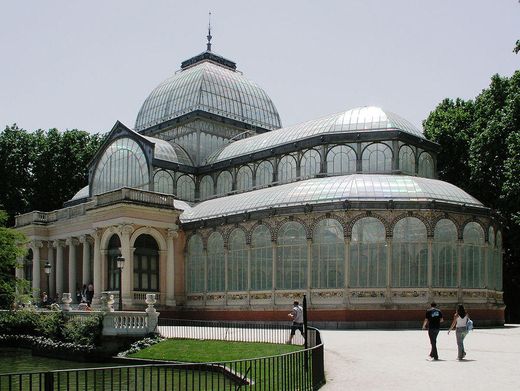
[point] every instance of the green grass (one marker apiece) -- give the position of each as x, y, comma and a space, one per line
189, 350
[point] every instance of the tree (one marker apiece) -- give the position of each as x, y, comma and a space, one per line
11, 249
517, 47
480, 152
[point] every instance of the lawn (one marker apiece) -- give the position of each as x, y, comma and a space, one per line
189, 350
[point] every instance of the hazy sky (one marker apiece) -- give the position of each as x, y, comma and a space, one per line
85, 64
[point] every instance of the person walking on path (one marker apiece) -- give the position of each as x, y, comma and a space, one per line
297, 317
460, 321
432, 321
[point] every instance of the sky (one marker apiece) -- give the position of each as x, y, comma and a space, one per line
86, 64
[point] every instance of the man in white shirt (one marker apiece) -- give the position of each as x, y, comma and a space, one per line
297, 317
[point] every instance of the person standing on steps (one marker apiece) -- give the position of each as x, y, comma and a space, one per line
297, 317
432, 321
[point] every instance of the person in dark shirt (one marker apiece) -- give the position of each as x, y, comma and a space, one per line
432, 321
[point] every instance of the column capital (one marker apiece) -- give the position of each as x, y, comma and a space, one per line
86, 239
96, 233
172, 233
125, 229
71, 241
58, 243
36, 244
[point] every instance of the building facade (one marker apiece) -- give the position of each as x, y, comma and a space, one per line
225, 214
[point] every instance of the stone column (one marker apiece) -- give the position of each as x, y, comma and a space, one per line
58, 244
35, 246
97, 268
19, 272
128, 270
170, 267
72, 243
52, 276
85, 272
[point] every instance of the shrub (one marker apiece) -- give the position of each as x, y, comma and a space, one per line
19, 322
50, 325
83, 330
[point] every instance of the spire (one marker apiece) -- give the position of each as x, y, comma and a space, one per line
209, 33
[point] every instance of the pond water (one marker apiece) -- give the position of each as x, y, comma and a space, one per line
21, 360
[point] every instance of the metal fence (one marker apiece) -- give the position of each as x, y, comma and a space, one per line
300, 370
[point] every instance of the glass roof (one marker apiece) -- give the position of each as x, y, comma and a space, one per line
83, 193
358, 187
170, 152
212, 88
367, 118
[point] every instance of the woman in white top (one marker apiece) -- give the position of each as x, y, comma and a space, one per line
460, 320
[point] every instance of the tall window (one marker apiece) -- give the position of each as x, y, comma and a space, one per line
237, 261
407, 160
310, 164
341, 160
426, 165
244, 179
286, 169
216, 261
206, 187
409, 254
114, 250
264, 174
291, 265
261, 259
377, 157
28, 266
444, 262
186, 188
499, 261
473, 256
195, 265
491, 264
146, 264
122, 164
328, 255
163, 182
224, 183
368, 254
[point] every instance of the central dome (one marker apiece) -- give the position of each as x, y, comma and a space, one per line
209, 83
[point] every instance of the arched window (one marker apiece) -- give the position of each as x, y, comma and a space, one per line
328, 255
473, 256
216, 262
261, 259
310, 164
237, 261
114, 250
122, 164
409, 254
444, 262
224, 183
186, 188
426, 165
491, 264
407, 160
28, 266
195, 265
244, 179
341, 160
163, 182
206, 189
291, 257
286, 169
498, 261
146, 264
368, 254
264, 174
377, 157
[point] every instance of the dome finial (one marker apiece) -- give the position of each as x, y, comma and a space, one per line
209, 33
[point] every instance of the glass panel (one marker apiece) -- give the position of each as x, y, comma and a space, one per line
328, 255
224, 183
146, 263
491, 263
444, 262
163, 182
291, 265
473, 256
237, 261
195, 274
186, 188
407, 160
368, 254
244, 179
206, 187
409, 254
287, 169
261, 259
123, 163
499, 261
264, 174
426, 165
341, 160
216, 260
113, 251
377, 157
310, 164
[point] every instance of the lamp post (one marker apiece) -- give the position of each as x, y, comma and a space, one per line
47, 268
120, 264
